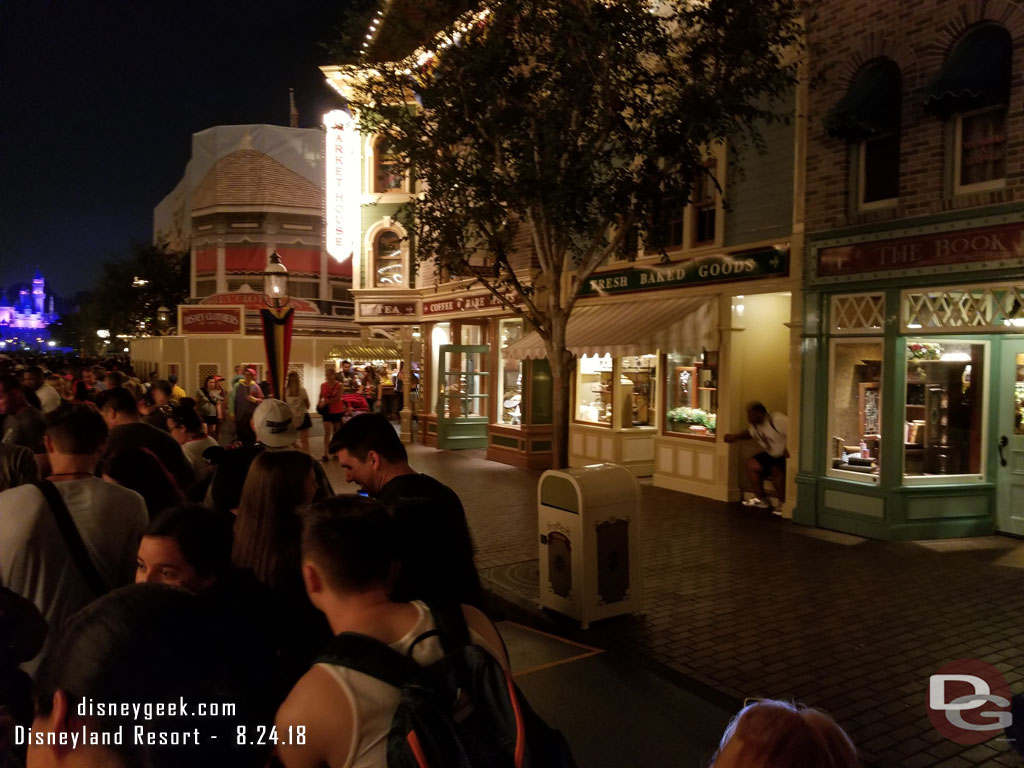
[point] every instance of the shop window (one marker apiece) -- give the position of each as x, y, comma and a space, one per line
637, 384
855, 410
1018, 398
388, 263
205, 288
691, 393
944, 410
594, 390
510, 380
981, 149
387, 173
304, 289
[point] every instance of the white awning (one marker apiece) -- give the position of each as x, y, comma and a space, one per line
632, 328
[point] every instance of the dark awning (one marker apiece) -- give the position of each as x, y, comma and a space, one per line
976, 73
871, 106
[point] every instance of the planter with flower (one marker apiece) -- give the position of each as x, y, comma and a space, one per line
694, 421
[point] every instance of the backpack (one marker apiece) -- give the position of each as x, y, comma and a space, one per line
462, 711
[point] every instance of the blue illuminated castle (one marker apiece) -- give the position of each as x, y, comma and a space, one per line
28, 318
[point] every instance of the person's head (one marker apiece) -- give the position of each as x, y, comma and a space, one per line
183, 421
81, 392
272, 423
346, 366
347, 547
140, 470
141, 644
33, 377
89, 377
756, 413
210, 382
117, 406
293, 384
173, 379
12, 394
249, 375
114, 379
99, 373
330, 374
267, 528
368, 448
777, 734
75, 430
238, 370
161, 391
187, 546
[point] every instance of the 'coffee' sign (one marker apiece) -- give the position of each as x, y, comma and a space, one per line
464, 304
957, 247
718, 268
202, 320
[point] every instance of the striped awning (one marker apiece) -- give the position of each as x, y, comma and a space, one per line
636, 327
361, 351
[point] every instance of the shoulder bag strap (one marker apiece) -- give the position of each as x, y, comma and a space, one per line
72, 538
369, 656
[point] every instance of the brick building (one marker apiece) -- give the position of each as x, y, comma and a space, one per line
913, 374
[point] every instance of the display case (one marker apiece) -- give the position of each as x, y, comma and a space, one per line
637, 381
594, 394
855, 410
510, 382
691, 394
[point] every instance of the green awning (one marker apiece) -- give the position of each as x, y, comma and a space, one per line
871, 106
976, 73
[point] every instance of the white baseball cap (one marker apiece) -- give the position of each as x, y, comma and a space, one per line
272, 421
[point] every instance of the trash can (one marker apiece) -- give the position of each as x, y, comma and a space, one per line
589, 521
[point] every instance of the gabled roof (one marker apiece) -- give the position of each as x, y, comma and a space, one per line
249, 177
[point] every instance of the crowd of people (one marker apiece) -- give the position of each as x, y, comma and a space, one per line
143, 561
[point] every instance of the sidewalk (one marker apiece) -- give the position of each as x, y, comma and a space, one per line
738, 603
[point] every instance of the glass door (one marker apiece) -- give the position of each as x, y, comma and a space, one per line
1010, 441
463, 389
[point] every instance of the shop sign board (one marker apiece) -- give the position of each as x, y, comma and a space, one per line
387, 309
717, 268
472, 303
254, 301
963, 246
205, 320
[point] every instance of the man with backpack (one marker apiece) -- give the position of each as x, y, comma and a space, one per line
71, 538
401, 684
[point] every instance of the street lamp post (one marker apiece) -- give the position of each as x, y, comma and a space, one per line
277, 323
163, 320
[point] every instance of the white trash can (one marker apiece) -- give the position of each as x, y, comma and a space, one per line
589, 521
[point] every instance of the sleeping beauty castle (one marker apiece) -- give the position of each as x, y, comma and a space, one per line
26, 320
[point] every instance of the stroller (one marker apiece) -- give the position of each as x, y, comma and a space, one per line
354, 405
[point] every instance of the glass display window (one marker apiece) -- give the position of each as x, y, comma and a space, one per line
510, 378
691, 393
637, 388
855, 410
594, 389
944, 407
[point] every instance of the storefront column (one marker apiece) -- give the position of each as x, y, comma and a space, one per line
405, 415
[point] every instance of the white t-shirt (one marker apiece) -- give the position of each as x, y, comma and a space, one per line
34, 559
299, 405
374, 702
770, 434
49, 398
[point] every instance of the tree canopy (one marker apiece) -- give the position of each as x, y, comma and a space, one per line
572, 122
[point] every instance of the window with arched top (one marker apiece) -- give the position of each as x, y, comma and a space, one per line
387, 172
973, 89
868, 116
388, 262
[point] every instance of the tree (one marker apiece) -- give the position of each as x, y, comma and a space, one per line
128, 293
576, 120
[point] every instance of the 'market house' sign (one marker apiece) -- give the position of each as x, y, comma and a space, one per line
717, 268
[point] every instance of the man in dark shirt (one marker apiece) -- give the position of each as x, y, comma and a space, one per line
127, 430
434, 547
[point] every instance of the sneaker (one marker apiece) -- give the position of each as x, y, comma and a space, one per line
777, 511
753, 501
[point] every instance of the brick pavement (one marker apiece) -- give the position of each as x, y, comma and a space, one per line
747, 605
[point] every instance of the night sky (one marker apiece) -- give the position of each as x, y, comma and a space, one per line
99, 100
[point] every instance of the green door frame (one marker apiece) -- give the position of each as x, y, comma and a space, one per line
456, 432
